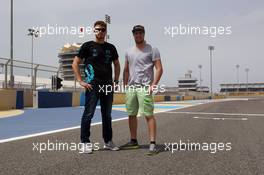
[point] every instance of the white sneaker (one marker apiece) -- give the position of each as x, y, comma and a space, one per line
86, 148
111, 146
153, 149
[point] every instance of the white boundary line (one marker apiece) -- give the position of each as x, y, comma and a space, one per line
216, 118
225, 114
93, 124
53, 131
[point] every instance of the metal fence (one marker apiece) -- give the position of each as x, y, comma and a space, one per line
22, 68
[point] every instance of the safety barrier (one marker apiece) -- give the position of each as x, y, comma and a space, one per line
52, 99
245, 94
16, 99
76, 98
119, 98
11, 99
167, 98
28, 98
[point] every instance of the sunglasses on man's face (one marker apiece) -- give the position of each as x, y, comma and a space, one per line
100, 29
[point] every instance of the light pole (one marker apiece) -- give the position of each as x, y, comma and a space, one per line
33, 33
11, 48
247, 70
107, 21
2, 68
237, 67
211, 48
200, 69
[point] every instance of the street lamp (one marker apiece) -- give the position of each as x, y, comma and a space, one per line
33, 33
107, 21
11, 47
247, 70
211, 48
200, 69
237, 67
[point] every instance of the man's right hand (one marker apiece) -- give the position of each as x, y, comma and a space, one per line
86, 85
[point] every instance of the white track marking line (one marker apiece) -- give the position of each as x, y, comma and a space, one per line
224, 114
53, 131
215, 118
64, 129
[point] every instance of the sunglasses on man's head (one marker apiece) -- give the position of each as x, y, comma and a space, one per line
138, 33
100, 29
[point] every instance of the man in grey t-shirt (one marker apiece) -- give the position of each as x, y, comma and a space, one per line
139, 74
141, 64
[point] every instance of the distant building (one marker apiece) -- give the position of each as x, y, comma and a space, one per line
170, 90
203, 89
242, 87
187, 83
66, 55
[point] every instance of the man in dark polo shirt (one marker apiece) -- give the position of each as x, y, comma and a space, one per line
97, 57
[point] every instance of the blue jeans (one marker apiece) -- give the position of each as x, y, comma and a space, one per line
91, 99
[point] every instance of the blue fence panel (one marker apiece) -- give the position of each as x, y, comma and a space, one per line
54, 99
19, 100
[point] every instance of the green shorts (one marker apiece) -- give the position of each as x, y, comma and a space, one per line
139, 100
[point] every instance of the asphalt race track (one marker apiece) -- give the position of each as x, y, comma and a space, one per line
239, 123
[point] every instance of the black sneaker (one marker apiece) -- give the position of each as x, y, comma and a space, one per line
153, 150
130, 145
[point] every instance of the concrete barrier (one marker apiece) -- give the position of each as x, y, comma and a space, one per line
245, 94
28, 98
11, 99
218, 96
173, 98
187, 98
53, 99
15, 99
167, 98
119, 98
158, 98
179, 98
19, 99
8, 99
76, 98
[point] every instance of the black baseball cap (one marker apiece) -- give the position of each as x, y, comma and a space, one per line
138, 28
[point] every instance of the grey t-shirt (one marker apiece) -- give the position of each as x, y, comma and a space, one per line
141, 64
